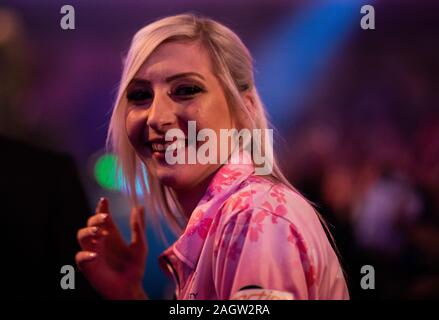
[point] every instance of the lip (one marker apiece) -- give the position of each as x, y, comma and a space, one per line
158, 155
159, 150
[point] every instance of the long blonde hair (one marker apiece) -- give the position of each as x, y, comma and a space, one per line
233, 66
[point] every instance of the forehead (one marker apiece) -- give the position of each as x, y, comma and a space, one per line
175, 57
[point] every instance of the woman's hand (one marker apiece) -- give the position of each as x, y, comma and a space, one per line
113, 267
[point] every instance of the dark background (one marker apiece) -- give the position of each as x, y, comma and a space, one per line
356, 110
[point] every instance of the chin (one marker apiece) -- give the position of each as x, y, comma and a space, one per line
180, 177
166, 176
172, 177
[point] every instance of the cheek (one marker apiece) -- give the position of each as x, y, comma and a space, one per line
218, 114
135, 121
212, 113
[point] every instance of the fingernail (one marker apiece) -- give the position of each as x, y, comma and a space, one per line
94, 230
101, 199
103, 217
92, 255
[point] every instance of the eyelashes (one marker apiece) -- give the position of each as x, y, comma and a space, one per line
141, 96
186, 92
137, 96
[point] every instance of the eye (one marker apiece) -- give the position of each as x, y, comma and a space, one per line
187, 91
139, 96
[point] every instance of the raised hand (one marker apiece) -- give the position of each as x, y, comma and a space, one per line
113, 267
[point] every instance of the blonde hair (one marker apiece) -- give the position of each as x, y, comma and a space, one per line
233, 66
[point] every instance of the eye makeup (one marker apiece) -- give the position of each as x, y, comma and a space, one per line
185, 91
139, 92
183, 87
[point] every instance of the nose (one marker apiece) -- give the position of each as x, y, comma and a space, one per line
161, 113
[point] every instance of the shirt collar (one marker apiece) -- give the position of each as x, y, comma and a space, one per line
224, 183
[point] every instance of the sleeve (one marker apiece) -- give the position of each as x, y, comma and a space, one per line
259, 255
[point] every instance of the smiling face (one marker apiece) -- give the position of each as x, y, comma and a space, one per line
176, 84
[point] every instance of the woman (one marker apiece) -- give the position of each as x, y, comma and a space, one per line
241, 235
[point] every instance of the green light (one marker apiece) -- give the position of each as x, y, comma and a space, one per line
105, 172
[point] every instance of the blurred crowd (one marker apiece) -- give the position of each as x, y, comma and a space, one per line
366, 152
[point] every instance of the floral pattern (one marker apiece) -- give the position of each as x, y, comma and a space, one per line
199, 224
249, 230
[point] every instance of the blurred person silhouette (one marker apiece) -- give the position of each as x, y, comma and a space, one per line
41, 197
383, 220
424, 236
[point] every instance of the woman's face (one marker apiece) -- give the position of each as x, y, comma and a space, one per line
173, 86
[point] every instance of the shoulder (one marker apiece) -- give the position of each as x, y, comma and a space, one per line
260, 194
263, 213
269, 222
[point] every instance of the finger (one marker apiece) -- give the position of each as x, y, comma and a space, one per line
98, 220
102, 216
103, 206
137, 216
137, 226
85, 260
88, 237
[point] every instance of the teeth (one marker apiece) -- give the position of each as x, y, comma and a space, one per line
158, 147
161, 147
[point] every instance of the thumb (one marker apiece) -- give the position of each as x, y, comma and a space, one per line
137, 223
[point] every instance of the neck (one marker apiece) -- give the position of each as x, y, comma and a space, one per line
190, 197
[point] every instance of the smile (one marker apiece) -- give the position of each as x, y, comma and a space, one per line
177, 148
159, 147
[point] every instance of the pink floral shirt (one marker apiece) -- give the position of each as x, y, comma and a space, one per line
251, 238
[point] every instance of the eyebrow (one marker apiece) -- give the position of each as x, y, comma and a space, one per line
171, 78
